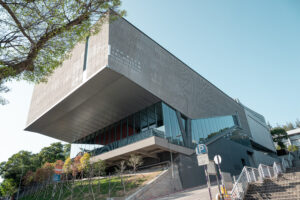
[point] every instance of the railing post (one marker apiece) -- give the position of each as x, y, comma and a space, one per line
253, 175
247, 175
269, 171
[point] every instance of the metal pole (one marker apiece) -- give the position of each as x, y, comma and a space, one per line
171, 157
219, 185
208, 181
222, 181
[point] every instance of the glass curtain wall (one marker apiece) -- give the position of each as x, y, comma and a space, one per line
163, 121
148, 118
172, 128
137, 126
203, 129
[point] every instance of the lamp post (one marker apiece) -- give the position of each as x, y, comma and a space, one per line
171, 155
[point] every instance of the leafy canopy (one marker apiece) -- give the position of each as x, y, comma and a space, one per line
36, 35
52, 153
278, 135
292, 148
22, 161
8, 187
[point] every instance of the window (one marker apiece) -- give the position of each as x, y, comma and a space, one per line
118, 131
130, 126
124, 129
112, 134
144, 120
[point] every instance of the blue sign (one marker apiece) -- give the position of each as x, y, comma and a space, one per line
201, 149
56, 177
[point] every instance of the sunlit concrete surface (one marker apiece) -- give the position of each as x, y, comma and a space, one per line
192, 194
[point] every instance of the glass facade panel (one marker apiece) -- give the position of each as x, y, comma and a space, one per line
127, 130
137, 123
203, 129
112, 134
124, 128
172, 129
118, 131
130, 126
144, 120
163, 121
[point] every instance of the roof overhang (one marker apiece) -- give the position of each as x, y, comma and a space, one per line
104, 99
148, 147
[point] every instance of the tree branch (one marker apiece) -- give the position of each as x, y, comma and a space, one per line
6, 7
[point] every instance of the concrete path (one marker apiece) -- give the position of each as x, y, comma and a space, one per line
193, 194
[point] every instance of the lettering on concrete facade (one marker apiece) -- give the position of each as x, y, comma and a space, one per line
126, 60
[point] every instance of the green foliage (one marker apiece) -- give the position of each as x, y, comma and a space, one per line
26, 166
292, 148
278, 147
28, 178
52, 153
67, 150
37, 36
22, 161
8, 187
81, 191
278, 135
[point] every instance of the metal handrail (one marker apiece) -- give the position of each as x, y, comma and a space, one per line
251, 174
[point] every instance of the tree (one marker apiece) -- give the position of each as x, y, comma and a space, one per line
292, 148
76, 165
3, 89
67, 168
28, 179
278, 148
8, 187
297, 123
278, 135
99, 167
288, 126
135, 161
52, 153
67, 150
44, 173
84, 162
36, 35
17, 166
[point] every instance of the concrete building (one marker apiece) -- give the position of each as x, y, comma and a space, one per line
122, 93
293, 138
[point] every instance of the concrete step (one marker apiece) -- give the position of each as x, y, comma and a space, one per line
284, 187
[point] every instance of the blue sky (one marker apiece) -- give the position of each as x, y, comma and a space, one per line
248, 48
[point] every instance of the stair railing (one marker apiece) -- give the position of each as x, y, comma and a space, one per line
250, 174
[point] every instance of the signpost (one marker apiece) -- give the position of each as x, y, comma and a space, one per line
218, 160
202, 157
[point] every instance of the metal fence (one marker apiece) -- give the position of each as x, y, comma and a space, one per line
250, 174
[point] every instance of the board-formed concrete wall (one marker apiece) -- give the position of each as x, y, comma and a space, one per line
66, 78
142, 60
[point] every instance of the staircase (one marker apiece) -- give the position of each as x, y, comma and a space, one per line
285, 187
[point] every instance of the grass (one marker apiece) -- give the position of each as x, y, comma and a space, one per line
83, 189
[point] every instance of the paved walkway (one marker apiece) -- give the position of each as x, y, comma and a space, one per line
193, 194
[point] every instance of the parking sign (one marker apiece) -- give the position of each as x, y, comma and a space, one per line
201, 149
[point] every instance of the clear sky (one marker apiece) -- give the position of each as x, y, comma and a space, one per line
250, 49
